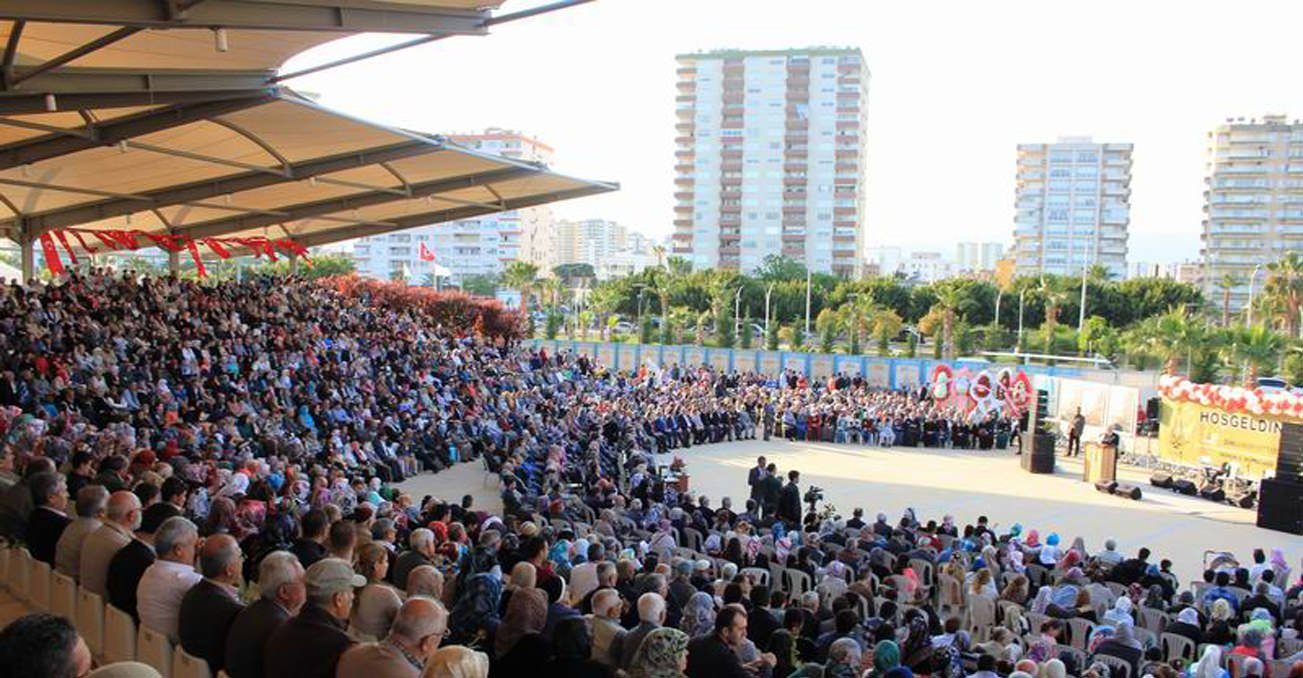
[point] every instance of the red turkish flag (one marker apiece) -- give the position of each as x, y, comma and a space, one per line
426, 254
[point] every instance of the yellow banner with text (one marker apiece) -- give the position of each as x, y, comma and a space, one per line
1189, 432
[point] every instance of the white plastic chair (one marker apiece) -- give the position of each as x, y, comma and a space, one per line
1176, 646
90, 620
38, 584
1118, 667
21, 565
798, 582
185, 665
154, 648
119, 636
5, 553
63, 597
759, 575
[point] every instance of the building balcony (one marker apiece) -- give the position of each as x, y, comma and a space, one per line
682, 237
683, 223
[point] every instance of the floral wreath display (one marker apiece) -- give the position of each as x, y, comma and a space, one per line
1006, 392
1233, 399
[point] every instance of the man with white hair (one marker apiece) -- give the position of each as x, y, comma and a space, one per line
651, 615
1109, 556
92, 500
425, 580
310, 644
421, 553
607, 634
280, 580
165, 583
416, 633
121, 518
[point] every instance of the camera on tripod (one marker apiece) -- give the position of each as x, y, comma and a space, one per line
813, 496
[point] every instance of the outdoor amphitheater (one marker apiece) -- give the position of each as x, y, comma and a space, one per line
220, 469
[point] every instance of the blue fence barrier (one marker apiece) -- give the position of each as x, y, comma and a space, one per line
878, 371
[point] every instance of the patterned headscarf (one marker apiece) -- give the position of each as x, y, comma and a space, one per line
476, 608
699, 615
658, 655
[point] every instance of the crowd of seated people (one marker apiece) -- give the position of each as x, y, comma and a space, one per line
219, 462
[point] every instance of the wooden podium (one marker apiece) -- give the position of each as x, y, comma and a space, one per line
1100, 463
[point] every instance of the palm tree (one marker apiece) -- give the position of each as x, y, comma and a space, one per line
602, 301
521, 276
1171, 336
1055, 296
553, 291
1257, 349
1283, 291
1227, 284
659, 251
951, 302
886, 324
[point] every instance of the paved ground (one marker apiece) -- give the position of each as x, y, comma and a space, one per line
964, 484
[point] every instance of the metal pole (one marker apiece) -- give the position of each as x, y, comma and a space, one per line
807, 305
1248, 318
27, 252
767, 293
998, 295
1021, 297
737, 320
1081, 315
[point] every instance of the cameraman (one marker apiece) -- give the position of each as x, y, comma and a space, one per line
789, 502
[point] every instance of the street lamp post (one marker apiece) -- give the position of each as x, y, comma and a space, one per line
737, 321
1253, 277
1021, 298
999, 294
768, 292
807, 305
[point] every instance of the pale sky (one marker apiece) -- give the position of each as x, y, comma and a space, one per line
955, 86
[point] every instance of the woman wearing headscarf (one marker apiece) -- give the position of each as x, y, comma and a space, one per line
1280, 567
662, 654
526, 613
1261, 621
1209, 664
886, 656
980, 584
1054, 668
917, 652
783, 647
1124, 646
1187, 624
1050, 553
1219, 625
1063, 602
1016, 561
1120, 612
699, 615
572, 650
1044, 596
1016, 590
476, 611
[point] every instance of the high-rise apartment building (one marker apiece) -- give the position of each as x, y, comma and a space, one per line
770, 158
479, 246
1253, 207
1073, 207
972, 257
609, 247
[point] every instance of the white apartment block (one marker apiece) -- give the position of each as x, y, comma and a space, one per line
478, 246
1253, 202
609, 247
770, 158
927, 267
973, 257
1073, 207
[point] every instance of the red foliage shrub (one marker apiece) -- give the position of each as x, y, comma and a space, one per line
458, 312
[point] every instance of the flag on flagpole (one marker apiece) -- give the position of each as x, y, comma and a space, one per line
426, 254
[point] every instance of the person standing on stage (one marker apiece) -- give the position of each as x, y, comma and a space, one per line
1075, 430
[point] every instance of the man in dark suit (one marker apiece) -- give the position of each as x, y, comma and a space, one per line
128, 565
210, 606
280, 579
310, 643
715, 655
789, 502
47, 521
756, 480
421, 553
770, 492
311, 547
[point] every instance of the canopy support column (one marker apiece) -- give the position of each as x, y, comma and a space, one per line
173, 262
27, 253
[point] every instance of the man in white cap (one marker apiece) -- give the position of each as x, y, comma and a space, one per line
309, 645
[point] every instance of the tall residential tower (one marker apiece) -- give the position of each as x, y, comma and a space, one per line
1073, 207
770, 158
1253, 207
479, 246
